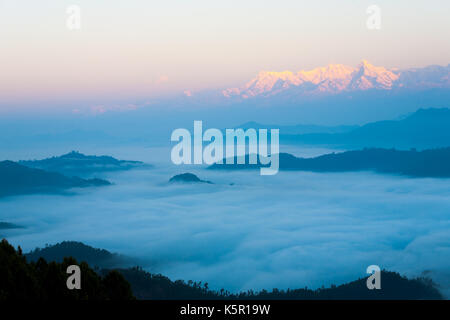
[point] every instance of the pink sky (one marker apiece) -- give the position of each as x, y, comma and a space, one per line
146, 48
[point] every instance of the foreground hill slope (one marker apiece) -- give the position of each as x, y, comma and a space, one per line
21, 280
145, 285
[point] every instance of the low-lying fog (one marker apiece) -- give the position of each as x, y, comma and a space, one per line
293, 230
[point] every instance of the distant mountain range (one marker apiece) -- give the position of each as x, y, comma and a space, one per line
425, 128
337, 78
429, 163
17, 179
299, 128
335, 94
78, 163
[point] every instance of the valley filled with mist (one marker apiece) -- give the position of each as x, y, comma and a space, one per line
245, 231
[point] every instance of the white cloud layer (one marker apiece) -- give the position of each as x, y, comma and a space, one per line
293, 230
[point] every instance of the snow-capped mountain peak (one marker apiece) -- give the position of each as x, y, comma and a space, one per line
335, 78
369, 76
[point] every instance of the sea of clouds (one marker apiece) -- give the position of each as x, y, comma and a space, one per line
291, 230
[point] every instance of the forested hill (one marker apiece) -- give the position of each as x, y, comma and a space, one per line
16, 179
20, 279
81, 252
46, 280
77, 163
412, 163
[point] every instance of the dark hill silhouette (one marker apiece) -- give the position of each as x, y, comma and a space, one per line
42, 280
16, 179
187, 178
425, 128
427, 163
158, 287
81, 252
394, 286
75, 162
146, 285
